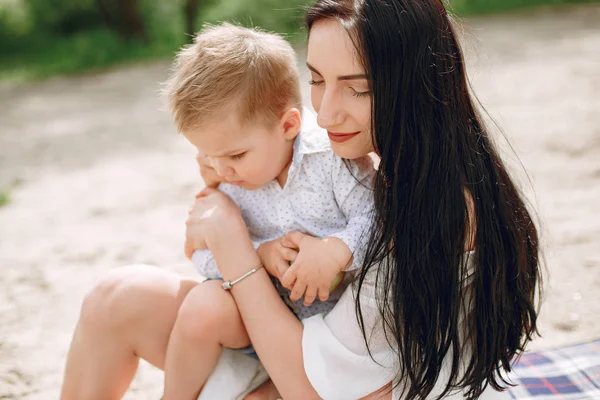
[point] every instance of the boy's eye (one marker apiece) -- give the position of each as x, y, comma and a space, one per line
314, 82
237, 156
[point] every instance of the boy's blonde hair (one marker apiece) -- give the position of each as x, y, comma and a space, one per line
231, 69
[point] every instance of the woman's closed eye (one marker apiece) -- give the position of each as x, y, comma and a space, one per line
354, 92
357, 93
238, 156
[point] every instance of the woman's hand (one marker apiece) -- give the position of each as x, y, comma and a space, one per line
214, 219
209, 175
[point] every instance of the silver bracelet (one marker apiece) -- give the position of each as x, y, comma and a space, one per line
227, 285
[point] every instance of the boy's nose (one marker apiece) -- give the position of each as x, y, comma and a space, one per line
222, 169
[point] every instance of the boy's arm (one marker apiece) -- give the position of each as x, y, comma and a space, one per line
320, 260
206, 265
353, 189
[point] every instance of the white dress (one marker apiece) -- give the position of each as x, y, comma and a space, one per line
335, 358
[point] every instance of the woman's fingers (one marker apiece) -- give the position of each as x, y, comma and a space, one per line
195, 224
194, 238
192, 245
188, 250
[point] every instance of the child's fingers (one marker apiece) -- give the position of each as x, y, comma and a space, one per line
289, 278
293, 239
323, 293
282, 267
288, 254
310, 295
288, 244
298, 290
208, 173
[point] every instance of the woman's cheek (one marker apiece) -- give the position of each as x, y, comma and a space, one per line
316, 96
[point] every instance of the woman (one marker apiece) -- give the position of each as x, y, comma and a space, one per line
447, 294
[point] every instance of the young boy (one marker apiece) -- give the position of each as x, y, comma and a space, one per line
235, 96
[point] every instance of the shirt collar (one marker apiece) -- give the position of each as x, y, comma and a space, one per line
311, 138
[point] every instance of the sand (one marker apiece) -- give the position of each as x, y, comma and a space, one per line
98, 178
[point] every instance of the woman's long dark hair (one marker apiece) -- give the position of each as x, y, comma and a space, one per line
435, 156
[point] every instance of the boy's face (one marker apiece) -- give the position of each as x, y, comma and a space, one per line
248, 155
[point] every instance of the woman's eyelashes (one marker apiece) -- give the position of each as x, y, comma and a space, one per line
354, 92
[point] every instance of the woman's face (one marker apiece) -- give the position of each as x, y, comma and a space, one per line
340, 90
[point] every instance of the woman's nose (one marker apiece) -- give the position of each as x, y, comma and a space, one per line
330, 113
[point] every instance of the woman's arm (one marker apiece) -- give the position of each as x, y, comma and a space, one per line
276, 334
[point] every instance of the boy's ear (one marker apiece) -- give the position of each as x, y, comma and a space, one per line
290, 123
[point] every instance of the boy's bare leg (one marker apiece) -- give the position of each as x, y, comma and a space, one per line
127, 315
208, 320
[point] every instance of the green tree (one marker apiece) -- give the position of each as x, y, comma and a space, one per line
124, 17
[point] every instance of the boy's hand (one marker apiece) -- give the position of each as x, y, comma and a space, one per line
209, 174
317, 265
275, 257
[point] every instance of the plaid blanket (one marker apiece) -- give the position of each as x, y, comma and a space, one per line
569, 373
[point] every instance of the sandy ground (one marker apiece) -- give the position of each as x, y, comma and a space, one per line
98, 178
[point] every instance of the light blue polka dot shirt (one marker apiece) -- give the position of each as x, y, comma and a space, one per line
324, 196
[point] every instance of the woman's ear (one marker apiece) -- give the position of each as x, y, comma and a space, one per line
290, 123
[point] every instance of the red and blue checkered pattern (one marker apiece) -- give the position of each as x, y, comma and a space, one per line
569, 373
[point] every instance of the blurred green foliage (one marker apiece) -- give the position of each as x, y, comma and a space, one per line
63, 16
40, 38
474, 7
4, 198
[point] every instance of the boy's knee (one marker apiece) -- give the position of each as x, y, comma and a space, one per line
202, 314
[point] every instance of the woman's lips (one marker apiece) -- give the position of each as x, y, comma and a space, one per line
339, 137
